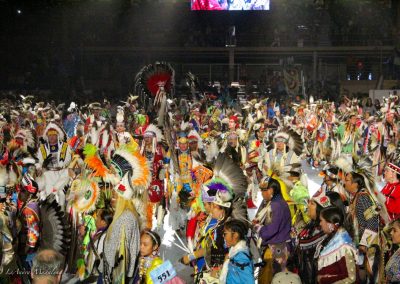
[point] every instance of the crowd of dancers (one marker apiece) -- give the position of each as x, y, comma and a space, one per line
87, 188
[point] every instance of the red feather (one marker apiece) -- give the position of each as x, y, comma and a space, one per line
153, 83
191, 228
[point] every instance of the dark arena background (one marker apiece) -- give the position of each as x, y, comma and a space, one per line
64, 49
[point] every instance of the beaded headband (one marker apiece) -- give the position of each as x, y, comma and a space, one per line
150, 233
394, 168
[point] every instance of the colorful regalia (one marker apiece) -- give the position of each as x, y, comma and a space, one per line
29, 218
152, 149
392, 193
146, 265
392, 268
337, 259
309, 238
54, 160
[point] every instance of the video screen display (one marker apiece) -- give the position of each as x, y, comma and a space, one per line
229, 5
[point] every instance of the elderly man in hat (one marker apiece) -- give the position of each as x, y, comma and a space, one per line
54, 157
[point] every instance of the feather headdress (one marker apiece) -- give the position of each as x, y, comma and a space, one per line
151, 79
231, 185
28, 136
134, 171
94, 162
294, 141
55, 127
154, 131
344, 163
194, 135
281, 174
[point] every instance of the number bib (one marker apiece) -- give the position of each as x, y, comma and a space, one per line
163, 273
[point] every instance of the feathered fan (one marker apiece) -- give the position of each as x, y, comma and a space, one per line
55, 232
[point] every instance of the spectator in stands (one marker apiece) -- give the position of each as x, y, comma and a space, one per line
369, 107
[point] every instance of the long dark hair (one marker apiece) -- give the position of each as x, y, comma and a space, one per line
336, 200
274, 184
236, 226
333, 215
358, 179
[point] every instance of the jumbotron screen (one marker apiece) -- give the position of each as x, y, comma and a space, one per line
229, 5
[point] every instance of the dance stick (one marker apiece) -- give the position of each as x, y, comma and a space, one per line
180, 240
185, 250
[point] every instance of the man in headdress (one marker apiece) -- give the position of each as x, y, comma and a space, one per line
152, 149
93, 123
196, 118
54, 157
196, 145
282, 154
234, 149
122, 136
299, 195
389, 127
77, 141
23, 145
392, 190
122, 243
40, 121
364, 215
95, 111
